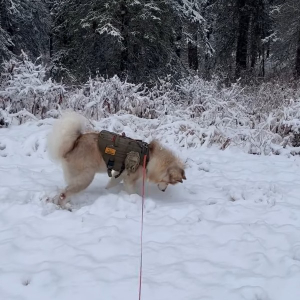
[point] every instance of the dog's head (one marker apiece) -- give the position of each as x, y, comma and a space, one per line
173, 175
165, 167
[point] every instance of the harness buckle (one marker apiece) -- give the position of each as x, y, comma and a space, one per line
110, 165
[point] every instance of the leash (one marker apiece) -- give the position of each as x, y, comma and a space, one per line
142, 225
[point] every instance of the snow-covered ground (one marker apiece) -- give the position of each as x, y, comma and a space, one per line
231, 231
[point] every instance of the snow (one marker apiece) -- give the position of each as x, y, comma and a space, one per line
231, 231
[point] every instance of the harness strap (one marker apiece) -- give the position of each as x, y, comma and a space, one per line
121, 171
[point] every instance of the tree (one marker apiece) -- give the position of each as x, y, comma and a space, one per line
138, 40
24, 25
242, 38
239, 33
286, 49
255, 28
193, 31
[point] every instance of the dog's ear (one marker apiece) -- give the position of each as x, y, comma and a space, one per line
176, 174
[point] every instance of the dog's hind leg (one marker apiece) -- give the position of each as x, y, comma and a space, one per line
75, 185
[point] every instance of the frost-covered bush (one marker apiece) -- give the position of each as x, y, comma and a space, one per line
101, 97
261, 119
255, 118
25, 92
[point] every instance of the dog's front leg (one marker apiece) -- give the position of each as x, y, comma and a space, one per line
130, 185
113, 181
130, 189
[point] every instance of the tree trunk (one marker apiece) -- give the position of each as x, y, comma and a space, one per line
242, 42
297, 70
51, 44
124, 32
178, 42
193, 51
254, 42
193, 56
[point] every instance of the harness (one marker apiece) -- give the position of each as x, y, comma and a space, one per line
120, 152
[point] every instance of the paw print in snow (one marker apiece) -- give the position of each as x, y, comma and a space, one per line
2, 148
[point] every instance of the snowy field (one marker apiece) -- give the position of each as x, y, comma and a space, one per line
230, 232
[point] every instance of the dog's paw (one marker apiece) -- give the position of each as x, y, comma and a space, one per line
54, 200
130, 190
67, 206
108, 185
60, 202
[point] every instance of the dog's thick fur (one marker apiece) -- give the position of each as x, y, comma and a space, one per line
81, 159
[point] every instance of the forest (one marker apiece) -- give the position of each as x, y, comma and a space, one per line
143, 41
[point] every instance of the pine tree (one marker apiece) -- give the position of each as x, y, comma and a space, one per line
24, 25
286, 49
138, 40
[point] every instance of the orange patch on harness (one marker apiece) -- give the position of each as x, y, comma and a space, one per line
110, 151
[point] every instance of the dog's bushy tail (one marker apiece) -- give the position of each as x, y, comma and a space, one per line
64, 133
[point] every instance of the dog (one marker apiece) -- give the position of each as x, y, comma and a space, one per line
81, 159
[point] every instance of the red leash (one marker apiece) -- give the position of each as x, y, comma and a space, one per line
142, 225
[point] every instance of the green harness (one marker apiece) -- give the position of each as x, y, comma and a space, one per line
121, 153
